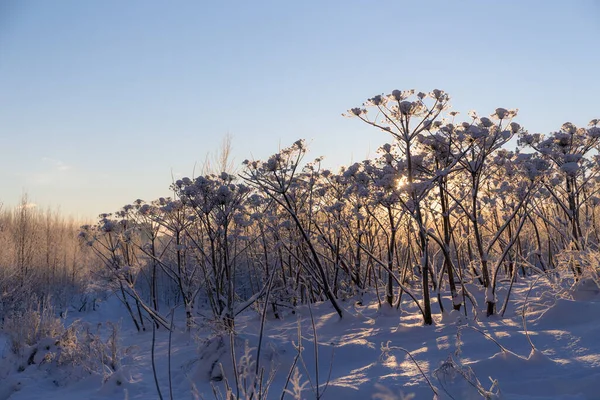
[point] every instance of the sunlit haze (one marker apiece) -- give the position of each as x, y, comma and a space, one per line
102, 103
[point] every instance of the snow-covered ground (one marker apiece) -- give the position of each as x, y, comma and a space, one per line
361, 356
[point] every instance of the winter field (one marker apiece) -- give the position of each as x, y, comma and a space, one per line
456, 264
363, 356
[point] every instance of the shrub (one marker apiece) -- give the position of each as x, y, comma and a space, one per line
29, 327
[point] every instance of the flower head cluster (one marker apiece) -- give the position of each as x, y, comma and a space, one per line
568, 148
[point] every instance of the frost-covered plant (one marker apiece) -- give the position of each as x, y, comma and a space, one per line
27, 328
343, 211
387, 349
586, 284
242, 375
83, 346
278, 179
479, 141
217, 205
252, 381
451, 370
405, 115
40, 338
510, 189
572, 151
441, 160
113, 241
297, 386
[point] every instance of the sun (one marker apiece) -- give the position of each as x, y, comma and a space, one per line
401, 182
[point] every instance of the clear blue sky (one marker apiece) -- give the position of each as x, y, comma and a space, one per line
102, 101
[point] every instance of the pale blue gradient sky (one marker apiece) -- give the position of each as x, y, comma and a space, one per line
102, 101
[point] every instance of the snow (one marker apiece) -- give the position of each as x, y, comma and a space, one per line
570, 168
371, 353
490, 296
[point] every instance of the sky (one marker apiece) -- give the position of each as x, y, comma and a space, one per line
105, 102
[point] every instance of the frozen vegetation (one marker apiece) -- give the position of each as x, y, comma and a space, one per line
451, 266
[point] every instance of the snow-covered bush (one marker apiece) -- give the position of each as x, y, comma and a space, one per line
586, 284
27, 328
97, 350
38, 337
